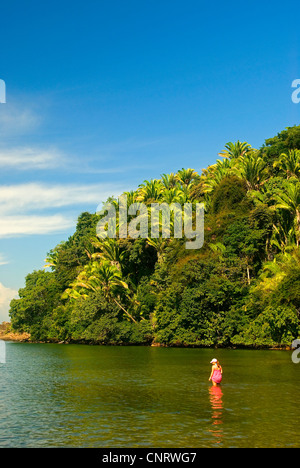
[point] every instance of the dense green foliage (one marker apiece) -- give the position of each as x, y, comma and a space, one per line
242, 288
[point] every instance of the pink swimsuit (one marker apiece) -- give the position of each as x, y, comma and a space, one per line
217, 376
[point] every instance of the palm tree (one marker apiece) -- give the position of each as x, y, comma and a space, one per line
150, 191
172, 195
270, 277
274, 272
169, 180
184, 194
160, 245
53, 256
187, 177
109, 250
51, 259
216, 174
102, 277
252, 169
112, 285
289, 163
283, 237
131, 197
290, 201
235, 150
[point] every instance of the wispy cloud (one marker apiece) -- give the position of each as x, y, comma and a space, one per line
17, 226
21, 205
25, 158
35, 197
28, 158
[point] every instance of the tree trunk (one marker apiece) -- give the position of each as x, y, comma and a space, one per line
124, 310
248, 275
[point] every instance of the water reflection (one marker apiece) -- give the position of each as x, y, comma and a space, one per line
215, 395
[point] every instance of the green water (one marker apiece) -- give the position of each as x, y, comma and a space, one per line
90, 396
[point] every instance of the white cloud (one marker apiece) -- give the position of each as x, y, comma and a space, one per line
16, 226
25, 158
20, 206
6, 295
35, 197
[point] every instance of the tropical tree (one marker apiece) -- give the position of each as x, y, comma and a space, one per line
131, 197
289, 163
102, 277
186, 177
52, 259
216, 173
275, 274
290, 201
283, 237
36, 302
283, 142
160, 244
109, 250
252, 169
235, 150
169, 180
150, 191
172, 195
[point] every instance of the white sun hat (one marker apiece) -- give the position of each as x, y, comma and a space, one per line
213, 361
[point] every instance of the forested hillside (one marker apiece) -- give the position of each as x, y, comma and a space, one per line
242, 288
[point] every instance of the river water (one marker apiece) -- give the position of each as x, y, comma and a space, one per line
99, 396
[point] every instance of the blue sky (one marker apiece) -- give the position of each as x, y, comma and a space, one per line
104, 94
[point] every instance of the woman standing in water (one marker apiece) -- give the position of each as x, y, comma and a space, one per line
216, 372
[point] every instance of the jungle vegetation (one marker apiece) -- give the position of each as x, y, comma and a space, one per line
242, 288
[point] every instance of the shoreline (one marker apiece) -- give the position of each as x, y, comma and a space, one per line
7, 335
19, 337
25, 338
